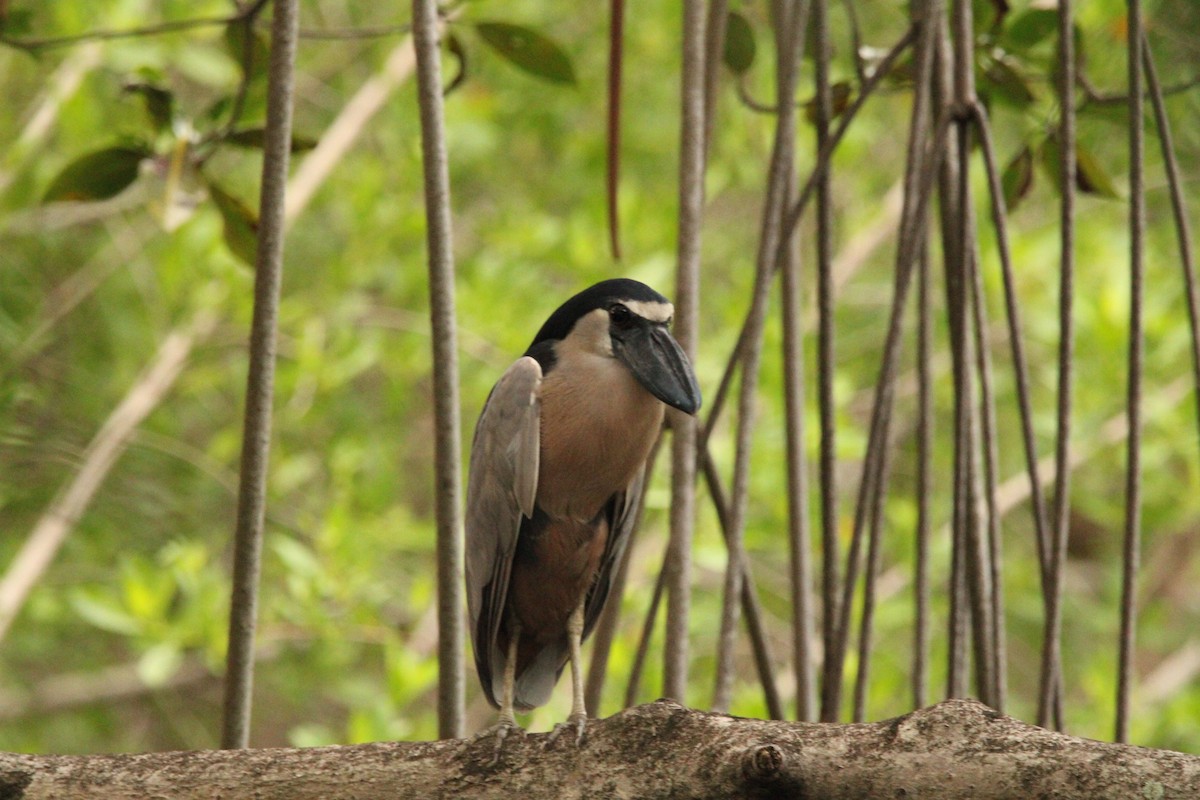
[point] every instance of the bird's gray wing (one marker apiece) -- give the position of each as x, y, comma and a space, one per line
501, 489
623, 512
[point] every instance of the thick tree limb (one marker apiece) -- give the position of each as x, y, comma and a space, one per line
959, 748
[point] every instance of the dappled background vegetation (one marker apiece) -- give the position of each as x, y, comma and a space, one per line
105, 267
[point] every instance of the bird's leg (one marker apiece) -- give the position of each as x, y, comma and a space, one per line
507, 722
578, 718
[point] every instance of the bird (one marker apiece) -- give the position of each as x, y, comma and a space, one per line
557, 463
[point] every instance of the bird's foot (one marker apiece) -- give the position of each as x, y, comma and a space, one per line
500, 732
576, 721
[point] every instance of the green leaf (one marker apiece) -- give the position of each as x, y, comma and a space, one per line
103, 613
17, 22
1031, 27
160, 103
98, 175
1008, 84
297, 557
989, 14
260, 50
1017, 178
1090, 175
839, 100
241, 225
217, 109
455, 47
529, 50
740, 48
254, 137
1050, 156
159, 663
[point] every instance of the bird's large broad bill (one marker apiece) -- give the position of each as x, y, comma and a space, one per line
659, 364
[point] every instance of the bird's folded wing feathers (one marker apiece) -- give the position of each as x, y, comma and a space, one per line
501, 488
624, 513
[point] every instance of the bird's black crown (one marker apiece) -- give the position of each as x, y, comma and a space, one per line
603, 294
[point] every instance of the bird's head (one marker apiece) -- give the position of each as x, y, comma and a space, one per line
630, 322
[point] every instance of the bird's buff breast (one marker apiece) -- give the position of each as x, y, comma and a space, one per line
598, 425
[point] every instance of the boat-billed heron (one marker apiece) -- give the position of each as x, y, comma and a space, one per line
556, 470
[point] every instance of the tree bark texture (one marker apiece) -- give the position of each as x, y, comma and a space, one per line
958, 748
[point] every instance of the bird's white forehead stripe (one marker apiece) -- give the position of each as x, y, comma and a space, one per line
651, 310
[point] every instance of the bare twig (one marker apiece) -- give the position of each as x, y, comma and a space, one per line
249, 12
1016, 489
350, 34
66, 296
59, 86
32, 45
1094, 96
68, 691
346, 128
1174, 674
860, 71
110, 441
246, 23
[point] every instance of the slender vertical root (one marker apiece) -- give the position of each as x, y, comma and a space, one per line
687, 319
447, 452
260, 382
1131, 554
1050, 694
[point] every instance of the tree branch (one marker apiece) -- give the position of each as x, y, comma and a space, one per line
958, 748
52, 529
1092, 95
249, 14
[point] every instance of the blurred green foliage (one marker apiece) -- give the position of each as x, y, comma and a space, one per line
89, 290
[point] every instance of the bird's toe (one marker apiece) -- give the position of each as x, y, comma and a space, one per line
501, 731
578, 722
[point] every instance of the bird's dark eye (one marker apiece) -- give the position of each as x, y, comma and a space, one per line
621, 316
